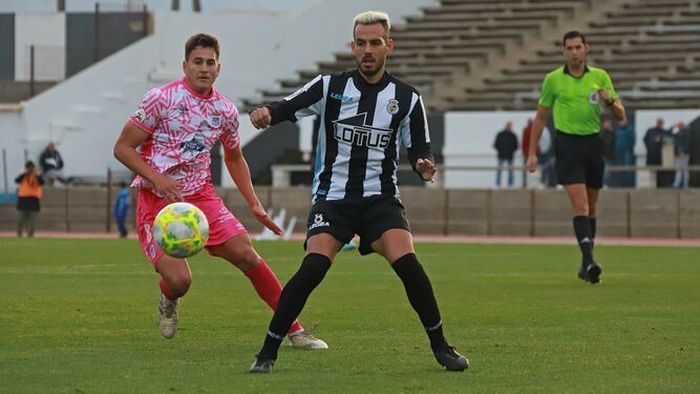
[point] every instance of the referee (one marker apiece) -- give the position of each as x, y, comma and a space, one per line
575, 92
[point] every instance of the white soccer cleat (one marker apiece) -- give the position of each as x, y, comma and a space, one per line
305, 340
167, 316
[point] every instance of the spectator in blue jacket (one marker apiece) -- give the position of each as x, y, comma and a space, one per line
682, 150
121, 209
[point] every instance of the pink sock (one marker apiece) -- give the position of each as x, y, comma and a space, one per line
165, 290
269, 288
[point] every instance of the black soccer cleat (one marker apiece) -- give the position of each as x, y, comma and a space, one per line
262, 365
590, 273
451, 360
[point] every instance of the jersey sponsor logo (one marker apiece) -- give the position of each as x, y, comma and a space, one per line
192, 146
392, 106
140, 115
340, 97
593, 97
356, 132
319, 222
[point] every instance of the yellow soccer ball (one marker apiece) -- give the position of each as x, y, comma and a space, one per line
181, 230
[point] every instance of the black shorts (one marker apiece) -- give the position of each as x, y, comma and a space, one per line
368, 217
579, 159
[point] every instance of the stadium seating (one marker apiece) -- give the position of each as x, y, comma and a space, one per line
484, 55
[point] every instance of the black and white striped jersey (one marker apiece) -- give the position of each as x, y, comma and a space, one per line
362, 127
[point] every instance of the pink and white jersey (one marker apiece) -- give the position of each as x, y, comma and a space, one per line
183, 127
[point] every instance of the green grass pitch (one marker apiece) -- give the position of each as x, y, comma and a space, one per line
79, 316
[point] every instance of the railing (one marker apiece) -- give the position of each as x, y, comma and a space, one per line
282, 173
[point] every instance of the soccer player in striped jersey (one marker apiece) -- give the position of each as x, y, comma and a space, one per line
366, 115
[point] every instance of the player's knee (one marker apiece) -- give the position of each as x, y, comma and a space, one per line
247, 259
179, 284
581, 209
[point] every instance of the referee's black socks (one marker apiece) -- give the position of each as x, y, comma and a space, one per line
292, 300
420, 295
584, 236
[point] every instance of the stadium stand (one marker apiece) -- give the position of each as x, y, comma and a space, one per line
479, 55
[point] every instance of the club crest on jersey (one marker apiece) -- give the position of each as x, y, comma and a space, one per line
593, 97
140, 115
356, 132
392, 106
215, 120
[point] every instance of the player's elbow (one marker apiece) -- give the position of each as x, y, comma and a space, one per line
119, 151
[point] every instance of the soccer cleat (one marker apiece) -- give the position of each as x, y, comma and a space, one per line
590, 273
261, 365
305, 340
451, 360
167, 316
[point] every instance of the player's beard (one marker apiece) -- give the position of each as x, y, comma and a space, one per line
376, 66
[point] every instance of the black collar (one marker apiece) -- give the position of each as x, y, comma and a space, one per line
362, 84
585, 70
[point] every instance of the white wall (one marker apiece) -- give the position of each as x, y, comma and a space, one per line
469, 138
47, 32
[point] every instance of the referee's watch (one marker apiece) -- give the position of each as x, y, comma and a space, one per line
609, 102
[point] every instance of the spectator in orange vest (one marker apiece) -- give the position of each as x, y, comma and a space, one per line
29, 194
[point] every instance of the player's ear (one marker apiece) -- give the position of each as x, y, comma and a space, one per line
390, 44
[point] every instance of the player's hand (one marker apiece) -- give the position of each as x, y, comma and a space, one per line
531, 163
261, 117
167, 187
426, 168
604, 95
266, 220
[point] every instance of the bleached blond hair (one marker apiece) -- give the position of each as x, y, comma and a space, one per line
370, 18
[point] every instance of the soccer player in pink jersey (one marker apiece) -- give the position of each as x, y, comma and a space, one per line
175, 127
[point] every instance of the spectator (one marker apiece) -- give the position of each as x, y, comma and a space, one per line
28, 198
51, 164
682, 151
625, 138
506, 144
527, 131
654, 140
607, 137
121, 209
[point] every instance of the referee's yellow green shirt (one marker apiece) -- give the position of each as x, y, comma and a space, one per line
574, 101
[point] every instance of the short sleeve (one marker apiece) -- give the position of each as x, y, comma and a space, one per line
547, 92
149, 111
606, 83
230, 138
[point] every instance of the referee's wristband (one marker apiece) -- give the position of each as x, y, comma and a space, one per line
610, 102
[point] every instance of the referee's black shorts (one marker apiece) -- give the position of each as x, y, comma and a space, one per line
368, 217
579, 159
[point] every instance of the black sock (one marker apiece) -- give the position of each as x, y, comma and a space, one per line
593, 223
420, 295
294, 295
582, 228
